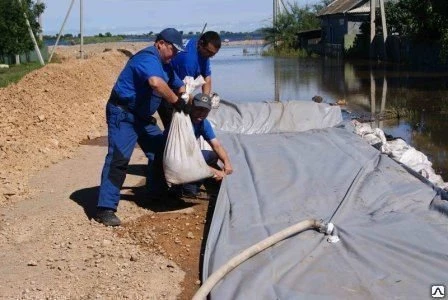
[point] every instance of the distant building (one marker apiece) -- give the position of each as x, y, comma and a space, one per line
308, 38
343, 17
341, 24
341, 21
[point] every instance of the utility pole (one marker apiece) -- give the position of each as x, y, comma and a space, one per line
60, 31
274, 12
277, 10
36, 47
372, 27
383, 24
39, 20
81, 51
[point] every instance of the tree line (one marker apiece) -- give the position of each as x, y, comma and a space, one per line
423, 21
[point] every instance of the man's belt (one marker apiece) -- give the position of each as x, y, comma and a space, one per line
115, 100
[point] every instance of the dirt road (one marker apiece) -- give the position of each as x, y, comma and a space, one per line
49, 245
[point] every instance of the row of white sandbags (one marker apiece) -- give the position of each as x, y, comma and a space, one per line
400, 151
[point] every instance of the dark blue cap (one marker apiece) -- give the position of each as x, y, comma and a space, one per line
202, 100
172, 36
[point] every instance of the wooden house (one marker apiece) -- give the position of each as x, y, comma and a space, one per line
341, 21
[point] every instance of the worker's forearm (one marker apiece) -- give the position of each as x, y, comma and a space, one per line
222, 154
160, 86
207, 87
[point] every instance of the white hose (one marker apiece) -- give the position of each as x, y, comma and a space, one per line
208, 285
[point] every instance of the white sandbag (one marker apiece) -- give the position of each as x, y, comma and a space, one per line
400, 151
371, 138
192, 84
182, 159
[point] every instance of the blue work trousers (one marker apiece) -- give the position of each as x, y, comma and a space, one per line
125, 130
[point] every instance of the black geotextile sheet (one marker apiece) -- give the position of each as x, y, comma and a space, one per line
392, 244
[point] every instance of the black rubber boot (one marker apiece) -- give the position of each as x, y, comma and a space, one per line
107, 217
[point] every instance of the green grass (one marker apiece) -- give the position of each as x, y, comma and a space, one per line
287, 52
97, 39
15, 72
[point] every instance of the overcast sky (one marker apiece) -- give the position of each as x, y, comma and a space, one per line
143, 16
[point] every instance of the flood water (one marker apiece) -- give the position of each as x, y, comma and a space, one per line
367, 89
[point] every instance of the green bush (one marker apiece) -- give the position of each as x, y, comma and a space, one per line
287, 52
289, 24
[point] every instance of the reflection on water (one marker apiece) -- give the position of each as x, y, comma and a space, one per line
246, 78
369, 90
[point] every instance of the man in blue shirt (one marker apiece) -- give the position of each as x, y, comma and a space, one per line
201, 106
147, 78
193, 62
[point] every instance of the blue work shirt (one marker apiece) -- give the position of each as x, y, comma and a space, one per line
190, 62
132, 84
205, 129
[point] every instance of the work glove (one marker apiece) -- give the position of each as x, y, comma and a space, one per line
181, 105
215, 99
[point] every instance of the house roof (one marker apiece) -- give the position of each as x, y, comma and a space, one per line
342, 7
365, 9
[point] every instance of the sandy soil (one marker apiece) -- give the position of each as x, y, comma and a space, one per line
49, 245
